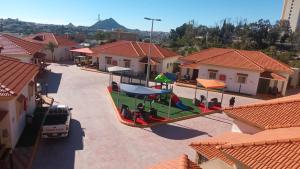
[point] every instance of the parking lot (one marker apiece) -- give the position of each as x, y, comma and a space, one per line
99, 141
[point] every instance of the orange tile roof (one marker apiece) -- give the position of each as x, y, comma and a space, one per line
180, 163
132, 49
208, 147
45, 37
14, 75
277, 148
241, 59
274, 148
277, 113
14, 45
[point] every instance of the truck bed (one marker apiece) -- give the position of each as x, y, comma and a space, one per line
56, 119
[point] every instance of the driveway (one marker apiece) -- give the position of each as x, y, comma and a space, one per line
99, 141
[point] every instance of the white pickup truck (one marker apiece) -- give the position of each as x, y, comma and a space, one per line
57, 122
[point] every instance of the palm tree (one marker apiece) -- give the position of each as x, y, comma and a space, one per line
51, 47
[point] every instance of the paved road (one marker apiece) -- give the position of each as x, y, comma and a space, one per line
97, 139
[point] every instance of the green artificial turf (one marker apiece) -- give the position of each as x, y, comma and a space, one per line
162, 107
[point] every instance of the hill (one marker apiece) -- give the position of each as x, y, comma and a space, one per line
107, 24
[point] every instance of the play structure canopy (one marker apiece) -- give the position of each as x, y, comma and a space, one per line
118, 69
141, 90
211, 83
161, 78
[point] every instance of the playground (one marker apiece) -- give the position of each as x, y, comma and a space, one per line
137, 105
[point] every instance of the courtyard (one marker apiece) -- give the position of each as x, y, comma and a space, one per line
98, 140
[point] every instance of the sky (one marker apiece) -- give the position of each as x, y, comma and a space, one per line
131, 13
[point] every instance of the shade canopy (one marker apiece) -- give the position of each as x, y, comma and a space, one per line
211, 83
118, 69
161, 78
141, 90
171, 76
82, 50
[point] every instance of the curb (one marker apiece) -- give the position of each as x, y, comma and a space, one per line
152, 124
92, 70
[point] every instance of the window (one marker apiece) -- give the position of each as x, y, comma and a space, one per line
108, 60
127, 63
212, 74
242, 78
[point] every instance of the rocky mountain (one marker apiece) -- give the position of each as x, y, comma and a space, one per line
17, 26
107, 24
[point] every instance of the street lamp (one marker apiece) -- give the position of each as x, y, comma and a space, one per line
149, 53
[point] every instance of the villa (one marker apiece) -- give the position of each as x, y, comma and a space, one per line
17, 98
63, 45
272, 114
20, 49
274, 148
248, 72
131, 54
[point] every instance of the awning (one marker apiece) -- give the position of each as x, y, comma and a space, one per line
211, 83
273, 76
171, 76
144, 60
118, 69
141, 90
82, 50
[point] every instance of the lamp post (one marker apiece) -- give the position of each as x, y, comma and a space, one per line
149, 53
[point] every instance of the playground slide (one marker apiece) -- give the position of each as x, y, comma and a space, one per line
181, 106
175, 100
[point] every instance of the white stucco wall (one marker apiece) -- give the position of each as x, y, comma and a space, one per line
15, 126
250, 87
60, 53
163, 68
135, 65
241, 127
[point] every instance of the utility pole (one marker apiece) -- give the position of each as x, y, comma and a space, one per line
149, 53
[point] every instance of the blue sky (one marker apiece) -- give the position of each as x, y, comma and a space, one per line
130, 13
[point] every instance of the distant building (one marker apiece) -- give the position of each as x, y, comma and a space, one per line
248, 72
133, 55
120, 35
21, 49
291, 12
63, 44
